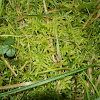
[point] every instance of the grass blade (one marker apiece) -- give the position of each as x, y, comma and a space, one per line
36, 6
1, 6
85, 86
59, 8
92, 84
88, 5
46, 81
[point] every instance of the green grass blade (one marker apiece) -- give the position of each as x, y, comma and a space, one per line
36, 6
85, 87
88, 5
46, 81
59, 7
1, 6
52, 70
92, 84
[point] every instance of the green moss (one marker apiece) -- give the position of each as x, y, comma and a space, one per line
39, 37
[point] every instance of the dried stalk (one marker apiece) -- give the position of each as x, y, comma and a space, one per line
24, 65
8, 65
98, 7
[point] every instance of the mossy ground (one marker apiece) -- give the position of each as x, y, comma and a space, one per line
48, 35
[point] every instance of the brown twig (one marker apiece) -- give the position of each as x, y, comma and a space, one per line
10, 3
19, 7
94, 19
8, 66
53, 11
19, 10
24, 65
33, 69
98, 7
90, 34
20, 19
76, 77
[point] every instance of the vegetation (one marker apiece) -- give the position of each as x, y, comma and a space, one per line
50, 49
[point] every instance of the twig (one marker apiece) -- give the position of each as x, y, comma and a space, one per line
83, 58
8, 66
19, 7
94, 19
10, 3
53, 11
90, 34
19, 10
98, 7
24, 65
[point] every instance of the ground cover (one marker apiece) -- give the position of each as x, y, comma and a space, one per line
50, 50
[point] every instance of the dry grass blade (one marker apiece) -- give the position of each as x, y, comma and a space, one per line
45, 6
19, 7
94, 19
97, 81
24, 65
10, 3
16, 85
8, 66
28, 4
98, 7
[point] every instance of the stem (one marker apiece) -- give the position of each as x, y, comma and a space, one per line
8, 65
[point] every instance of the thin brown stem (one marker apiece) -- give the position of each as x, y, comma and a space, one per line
98, 7
28, 4
76, 77
24, 65
10, 3
8, 65
19, 7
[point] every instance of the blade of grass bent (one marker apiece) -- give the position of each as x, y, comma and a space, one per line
46, 81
